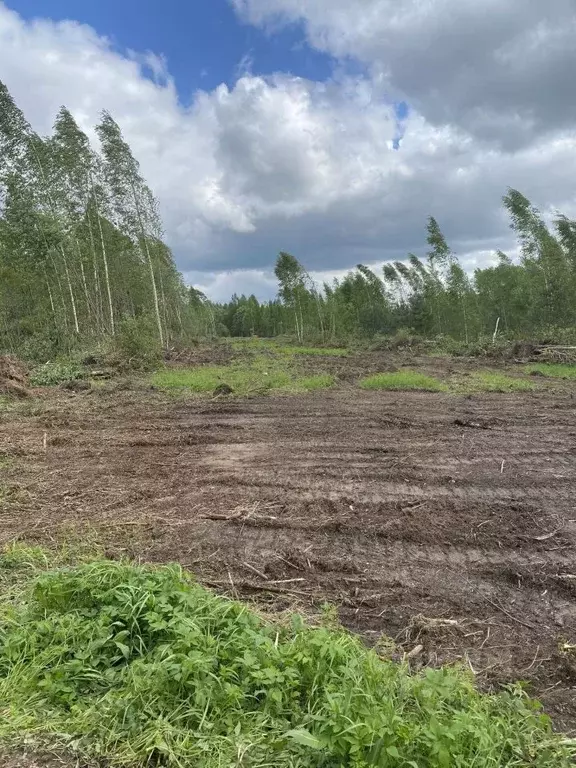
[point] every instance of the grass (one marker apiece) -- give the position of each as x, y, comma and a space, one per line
553, 370
257, 377
277, 347
6, 460
140, 666
403, 380
9, 404
320, 351
313, 383
492, 381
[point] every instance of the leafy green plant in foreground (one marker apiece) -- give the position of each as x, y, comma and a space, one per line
145, 667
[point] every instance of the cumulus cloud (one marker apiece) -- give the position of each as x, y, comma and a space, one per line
501, 69
281, 163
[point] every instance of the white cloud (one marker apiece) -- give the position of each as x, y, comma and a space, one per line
281, 163
502, 69
220, 286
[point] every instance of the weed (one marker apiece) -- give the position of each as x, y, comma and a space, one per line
492, 381
553, 370
403, 380
141, 666
18, 556
52, 374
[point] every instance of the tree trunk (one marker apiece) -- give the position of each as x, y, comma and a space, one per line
150, 266
105, 260
97, 289
70, 290
84, 283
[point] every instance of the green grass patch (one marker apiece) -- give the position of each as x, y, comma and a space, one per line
279, 348
206, 378
140, 666
260, 376
320, 351
312, 383
404, 380
492, 381
553, 370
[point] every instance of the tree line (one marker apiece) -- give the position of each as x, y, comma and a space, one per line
83, 259
430, 296
82, 255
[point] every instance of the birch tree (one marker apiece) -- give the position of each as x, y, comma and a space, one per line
134, 204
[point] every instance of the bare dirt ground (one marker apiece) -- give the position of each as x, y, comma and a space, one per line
442, 521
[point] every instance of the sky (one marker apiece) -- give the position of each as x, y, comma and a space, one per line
327, 128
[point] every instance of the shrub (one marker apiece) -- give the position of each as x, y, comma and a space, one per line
52, 374
404, 338
136, 345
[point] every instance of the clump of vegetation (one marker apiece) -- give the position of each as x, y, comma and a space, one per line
319, 351
53, 373
135, 346
258, 376
141, 666
277, 346
205, 378
492, 381
312, 383
404, 380
553, 370
483, 346
402, 339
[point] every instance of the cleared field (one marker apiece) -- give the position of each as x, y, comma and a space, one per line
441, 520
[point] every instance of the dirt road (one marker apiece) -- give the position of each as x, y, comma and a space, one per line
443, 521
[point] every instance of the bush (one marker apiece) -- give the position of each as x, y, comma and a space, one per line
38, 349
136, 345
140, 666
52, 374
553, 334
404, 338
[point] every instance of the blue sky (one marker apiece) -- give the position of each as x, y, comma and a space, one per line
303, 152
204, 42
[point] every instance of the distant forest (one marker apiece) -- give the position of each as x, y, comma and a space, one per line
83, 261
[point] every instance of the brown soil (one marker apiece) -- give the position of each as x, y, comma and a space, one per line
13, 377
439, 520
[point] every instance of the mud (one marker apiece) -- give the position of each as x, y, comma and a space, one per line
438, 520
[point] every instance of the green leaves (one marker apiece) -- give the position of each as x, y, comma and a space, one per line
80, 241
305, 738
139, 665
